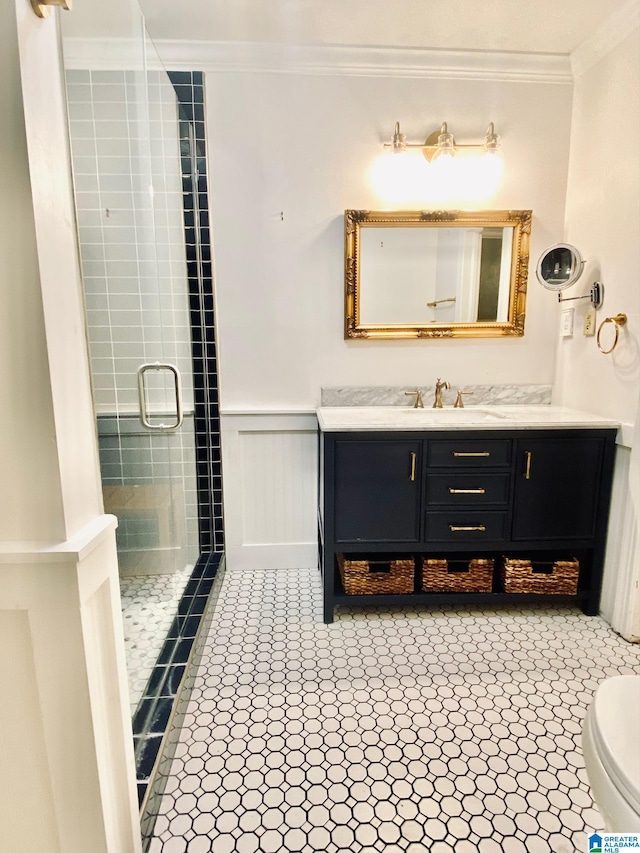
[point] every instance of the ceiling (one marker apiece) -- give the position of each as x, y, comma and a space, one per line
535, 26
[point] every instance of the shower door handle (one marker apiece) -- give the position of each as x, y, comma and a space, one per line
177, 384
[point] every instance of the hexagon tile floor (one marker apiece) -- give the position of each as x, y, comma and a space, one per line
435, 730
149, 605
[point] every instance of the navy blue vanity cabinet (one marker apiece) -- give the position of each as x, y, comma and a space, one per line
557, 487
527, 493
467, 489
377, 490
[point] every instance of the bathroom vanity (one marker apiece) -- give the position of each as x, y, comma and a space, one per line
478, 483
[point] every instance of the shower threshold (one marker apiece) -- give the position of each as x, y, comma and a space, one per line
167, 688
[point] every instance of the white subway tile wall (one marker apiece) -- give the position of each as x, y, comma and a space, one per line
126, 160
127, 171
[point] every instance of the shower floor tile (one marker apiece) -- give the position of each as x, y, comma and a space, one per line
446, 730
149, 605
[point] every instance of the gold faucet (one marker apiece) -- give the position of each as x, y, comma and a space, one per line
437, 403
419, 403
459, 403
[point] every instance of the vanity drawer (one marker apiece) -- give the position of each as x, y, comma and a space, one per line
488, 453
459, 526
467, 489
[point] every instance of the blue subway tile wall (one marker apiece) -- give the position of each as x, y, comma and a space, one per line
189, 89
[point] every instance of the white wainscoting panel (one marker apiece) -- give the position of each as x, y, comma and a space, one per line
270, 474
66, 748
620, 601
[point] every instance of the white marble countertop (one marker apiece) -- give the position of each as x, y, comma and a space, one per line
351, 418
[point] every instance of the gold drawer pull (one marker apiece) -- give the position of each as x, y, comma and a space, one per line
480, 453
414, 456
455, 529
466, 491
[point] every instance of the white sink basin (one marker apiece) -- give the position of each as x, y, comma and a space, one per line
473, 414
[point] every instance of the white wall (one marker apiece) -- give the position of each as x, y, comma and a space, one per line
29, 404
291, 147
603, 221
304, 144
66, 751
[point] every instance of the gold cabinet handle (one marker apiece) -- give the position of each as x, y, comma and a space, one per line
414, 457
454, 529
481, 453
466, 491
527, 471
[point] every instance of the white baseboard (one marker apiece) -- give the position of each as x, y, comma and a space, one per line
299, 555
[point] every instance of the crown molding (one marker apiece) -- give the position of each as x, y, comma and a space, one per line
322, 60
620, 24
112, 54
355, 61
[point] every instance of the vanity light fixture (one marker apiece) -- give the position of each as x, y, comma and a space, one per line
441, 143
439, 174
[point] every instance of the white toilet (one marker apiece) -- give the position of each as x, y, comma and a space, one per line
611, 747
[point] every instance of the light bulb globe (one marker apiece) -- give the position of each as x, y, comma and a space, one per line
399, 178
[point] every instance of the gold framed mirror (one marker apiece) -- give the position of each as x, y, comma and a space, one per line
436, 274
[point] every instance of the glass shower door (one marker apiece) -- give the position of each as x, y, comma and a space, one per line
126, 161
156, 387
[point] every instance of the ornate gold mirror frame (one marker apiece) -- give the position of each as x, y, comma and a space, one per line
514, 273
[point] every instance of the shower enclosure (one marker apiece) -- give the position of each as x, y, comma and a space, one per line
139, 174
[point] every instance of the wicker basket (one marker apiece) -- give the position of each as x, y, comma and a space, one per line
457, 575
374, 577
546, 578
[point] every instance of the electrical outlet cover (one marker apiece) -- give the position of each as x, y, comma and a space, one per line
566, 323
590, 322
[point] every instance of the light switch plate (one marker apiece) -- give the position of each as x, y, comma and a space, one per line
566, 323
590, 322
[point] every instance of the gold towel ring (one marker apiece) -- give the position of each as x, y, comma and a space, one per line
618, 320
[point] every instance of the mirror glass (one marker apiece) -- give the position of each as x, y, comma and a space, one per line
441, 274
559, 266
438, 275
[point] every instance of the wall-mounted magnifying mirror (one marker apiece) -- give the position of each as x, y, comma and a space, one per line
559, 266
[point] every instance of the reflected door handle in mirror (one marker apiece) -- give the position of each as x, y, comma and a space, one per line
440, 301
